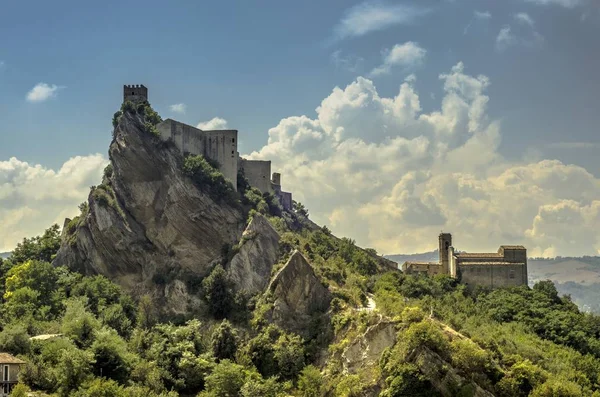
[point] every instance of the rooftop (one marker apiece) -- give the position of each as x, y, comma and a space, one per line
512, 247
491, 263
478, 255
6, 358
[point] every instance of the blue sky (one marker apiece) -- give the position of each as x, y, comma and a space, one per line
255, 64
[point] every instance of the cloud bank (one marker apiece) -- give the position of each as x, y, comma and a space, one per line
33, 197
382, 171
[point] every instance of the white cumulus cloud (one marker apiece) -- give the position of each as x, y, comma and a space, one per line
33, 197
216, 123
42, 92
386, 173
371, 16
404, 55
178, 108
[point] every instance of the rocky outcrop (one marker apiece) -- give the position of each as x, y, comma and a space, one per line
443, 376
148, 219
250, 269
366, 350
298, 295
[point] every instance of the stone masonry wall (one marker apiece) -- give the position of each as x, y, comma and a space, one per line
493, 276
221, 145
258, 173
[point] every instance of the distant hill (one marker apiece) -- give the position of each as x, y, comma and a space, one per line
422, 257
4, 255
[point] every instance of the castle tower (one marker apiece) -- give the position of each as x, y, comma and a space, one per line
445, 244
135, 93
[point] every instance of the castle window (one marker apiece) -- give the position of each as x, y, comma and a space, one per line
232, 152
132, 93
232, 140
511, 274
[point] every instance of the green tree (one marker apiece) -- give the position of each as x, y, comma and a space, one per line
111, 358
14, 339
146, 312
224, 341
30, 288
310, 382
20, 390
40, 248
226, 380
218, 293
74, 368
79, 324
100, 387
289, 354
257, 386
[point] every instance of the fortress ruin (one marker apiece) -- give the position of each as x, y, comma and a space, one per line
505, 268
219, 146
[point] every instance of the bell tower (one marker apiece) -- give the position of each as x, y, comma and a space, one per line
445, 244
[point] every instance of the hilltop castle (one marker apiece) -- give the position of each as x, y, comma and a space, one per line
217, 145
505, 268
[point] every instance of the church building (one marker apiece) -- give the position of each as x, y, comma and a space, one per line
505, 268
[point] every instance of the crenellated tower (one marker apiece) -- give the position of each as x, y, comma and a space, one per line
135, 93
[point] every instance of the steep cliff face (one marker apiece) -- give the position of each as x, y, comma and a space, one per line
250, 269
299, 295
148, 221
366, 350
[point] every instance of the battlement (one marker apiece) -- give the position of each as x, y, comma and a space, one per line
135, 93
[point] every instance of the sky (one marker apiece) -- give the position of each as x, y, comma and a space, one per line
389, 120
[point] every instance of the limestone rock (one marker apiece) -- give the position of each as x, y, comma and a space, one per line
155, 220
298, 295
443, 376
250, 269
366, 350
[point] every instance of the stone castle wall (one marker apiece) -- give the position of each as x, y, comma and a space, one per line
220, 146
187, 138
258, 173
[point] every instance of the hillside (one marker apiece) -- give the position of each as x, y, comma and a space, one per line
171, 283
4, 255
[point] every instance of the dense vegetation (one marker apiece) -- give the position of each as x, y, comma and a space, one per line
520, 341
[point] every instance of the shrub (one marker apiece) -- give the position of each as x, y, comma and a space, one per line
218, 293
310, 382
116, 118
427, 334
224, 341
108, 171
209, 178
